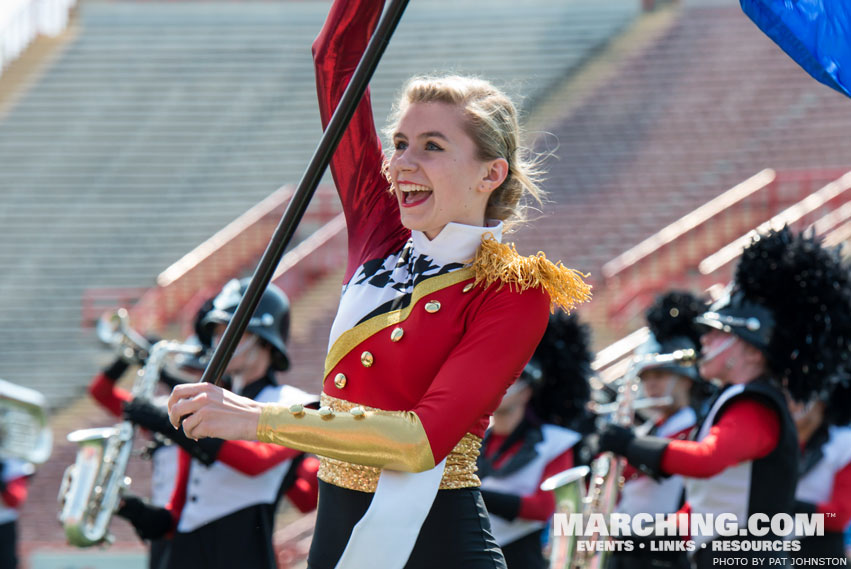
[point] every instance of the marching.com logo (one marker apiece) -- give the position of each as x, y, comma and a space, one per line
617, 532
693, 525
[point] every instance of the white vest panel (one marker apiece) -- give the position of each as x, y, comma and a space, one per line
525, 482
218, 490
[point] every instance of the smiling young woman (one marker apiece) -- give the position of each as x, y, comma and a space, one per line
437, 318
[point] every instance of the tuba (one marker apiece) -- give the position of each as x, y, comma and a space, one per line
606, 480
24, 432
92, 487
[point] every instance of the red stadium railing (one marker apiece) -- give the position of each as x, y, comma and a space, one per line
672, 256
810, 210
229, 253
826, 211
98, 300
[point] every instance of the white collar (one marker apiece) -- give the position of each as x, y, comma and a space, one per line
456, 242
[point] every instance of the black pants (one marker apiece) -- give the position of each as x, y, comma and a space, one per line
827, 546
526, 552
456, 533
242, 539
157, 551
8, 545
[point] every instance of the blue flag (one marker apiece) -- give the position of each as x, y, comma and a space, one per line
815, 33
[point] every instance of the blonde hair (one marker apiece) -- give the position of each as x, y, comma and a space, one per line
492, 124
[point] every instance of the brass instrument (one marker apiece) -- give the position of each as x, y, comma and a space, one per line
24, 432
568, 487
114, 330
92, 487
606, 479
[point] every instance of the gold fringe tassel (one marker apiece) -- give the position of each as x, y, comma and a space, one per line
501, 262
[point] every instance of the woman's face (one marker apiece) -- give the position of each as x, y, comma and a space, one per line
726, 357
436, 175
660, 382
243, 355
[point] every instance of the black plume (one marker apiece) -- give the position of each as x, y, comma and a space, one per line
672, 316
806, 287
564, 356
838, 410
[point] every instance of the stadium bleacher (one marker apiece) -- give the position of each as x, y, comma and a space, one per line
161, 122
708, 104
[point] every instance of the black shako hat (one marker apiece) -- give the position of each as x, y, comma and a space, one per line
671, 320
270, 321
790, 298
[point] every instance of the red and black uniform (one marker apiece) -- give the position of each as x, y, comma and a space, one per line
14, 474
643, 494
825, 487
743, 461
221, 509
224, 512
418, 355
512, 469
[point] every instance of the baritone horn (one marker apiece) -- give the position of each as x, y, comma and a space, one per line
606, 481
569, 490
93, 486
24, 430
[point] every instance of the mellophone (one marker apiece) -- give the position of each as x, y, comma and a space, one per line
605, 484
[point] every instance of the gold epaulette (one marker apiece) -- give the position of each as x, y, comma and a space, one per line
500, 262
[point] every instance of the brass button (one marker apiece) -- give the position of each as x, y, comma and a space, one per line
396, 334
340, 381
468, 287
366, 359
432, 306
358, 412
326, 412
297, 410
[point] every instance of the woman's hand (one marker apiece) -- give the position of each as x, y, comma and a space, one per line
210, 411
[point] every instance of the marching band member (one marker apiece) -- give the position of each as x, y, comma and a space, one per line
437, 318
528, 440
785, 324
825, 466
221, 511
161, 450
14, 479
672, 328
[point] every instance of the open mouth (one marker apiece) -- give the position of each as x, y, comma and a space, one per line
414, 194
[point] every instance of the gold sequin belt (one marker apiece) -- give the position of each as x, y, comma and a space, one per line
460, 471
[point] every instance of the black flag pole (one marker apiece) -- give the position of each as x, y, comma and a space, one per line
305, 190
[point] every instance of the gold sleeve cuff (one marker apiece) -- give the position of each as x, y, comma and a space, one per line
394, 440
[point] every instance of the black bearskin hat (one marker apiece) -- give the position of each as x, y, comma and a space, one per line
790, 299
671, 320
838, 398
559, 372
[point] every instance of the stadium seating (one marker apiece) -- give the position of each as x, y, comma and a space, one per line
160, 123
